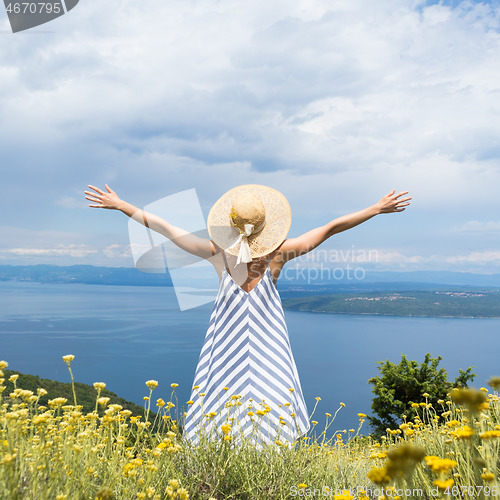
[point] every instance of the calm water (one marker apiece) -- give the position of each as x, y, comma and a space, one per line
126, 335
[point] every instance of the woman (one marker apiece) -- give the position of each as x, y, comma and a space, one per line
246, 381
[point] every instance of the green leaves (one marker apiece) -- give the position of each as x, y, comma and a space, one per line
399, 385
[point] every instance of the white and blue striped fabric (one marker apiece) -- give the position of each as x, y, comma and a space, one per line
246, 365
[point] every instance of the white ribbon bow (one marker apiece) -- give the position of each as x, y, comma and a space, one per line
244, 254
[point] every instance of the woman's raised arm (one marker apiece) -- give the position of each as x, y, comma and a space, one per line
303, 244
195, 245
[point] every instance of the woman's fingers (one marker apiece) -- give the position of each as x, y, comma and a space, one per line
92, 194
400, 194
94, 201
96, 189
108, 188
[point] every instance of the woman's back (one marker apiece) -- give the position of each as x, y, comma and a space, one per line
246, 371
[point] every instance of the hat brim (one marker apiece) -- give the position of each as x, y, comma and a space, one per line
274, 232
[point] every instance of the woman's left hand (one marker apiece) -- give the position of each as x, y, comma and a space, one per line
391, 203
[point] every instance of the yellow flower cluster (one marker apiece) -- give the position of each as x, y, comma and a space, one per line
473, 399
400, 461
443, 484
490, 434
379, 475
465, 432
440, 464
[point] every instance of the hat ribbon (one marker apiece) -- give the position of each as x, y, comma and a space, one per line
244, 254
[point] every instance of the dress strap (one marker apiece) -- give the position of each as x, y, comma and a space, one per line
225, 260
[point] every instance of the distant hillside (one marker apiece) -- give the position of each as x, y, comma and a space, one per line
85, 394
90, 275
480, 303
203, 275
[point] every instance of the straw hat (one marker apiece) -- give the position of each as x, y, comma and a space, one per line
249, 221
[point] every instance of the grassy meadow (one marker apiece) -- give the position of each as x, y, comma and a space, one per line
56, 451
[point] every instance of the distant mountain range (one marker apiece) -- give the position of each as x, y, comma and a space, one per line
90, 275
373, 280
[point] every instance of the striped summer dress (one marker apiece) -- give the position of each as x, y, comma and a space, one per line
246, 375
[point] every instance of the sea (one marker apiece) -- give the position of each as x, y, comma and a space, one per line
126, 335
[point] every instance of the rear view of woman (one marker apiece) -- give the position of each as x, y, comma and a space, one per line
246, 382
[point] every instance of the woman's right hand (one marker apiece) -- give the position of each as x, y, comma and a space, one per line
102, 199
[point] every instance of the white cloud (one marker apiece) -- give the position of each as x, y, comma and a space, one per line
386, 259
117, 252
478, 226
70, 202
74, 251
485, 257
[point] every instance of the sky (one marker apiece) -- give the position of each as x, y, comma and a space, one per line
333, 103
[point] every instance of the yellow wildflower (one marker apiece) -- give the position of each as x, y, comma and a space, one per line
182, 493
345, 495
57, 402
174, 385
464, 433
440, 464
68, 358
104, 494
494, 383
443, 485
152, 384
379, 475
489, 434
471, 398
